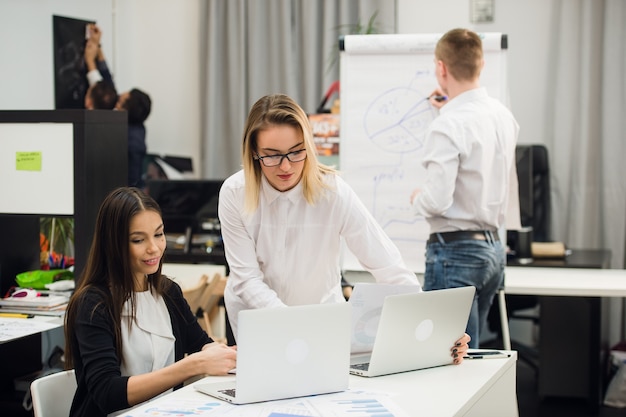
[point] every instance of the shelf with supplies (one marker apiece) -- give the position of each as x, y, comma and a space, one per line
43, 303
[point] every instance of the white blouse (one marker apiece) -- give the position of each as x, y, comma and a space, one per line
149, 344
288, 251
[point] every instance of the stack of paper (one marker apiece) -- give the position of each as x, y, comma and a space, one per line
48, 304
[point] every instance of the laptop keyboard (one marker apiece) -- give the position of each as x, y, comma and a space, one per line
361, 366
230, 392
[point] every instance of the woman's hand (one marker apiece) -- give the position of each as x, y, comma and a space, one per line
217, 358
460, 349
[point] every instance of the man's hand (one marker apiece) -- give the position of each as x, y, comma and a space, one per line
95, 34
438, 98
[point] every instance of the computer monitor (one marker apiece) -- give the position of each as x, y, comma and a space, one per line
189, 209
166, 167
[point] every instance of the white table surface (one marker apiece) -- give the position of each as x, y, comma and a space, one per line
474, 388
579, 282
16, 328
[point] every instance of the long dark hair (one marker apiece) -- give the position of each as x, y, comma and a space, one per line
108, 270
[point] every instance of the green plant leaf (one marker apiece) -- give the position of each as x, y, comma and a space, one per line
59, 231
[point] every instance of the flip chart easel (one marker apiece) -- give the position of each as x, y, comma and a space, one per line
385, 81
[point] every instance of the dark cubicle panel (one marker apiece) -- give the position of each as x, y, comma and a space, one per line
19, 251
100, 164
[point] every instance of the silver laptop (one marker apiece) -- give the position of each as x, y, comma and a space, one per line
416, 331
288, 352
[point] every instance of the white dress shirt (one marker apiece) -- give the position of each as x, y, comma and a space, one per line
469, 156
288, 252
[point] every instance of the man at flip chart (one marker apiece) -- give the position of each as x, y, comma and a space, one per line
469, 157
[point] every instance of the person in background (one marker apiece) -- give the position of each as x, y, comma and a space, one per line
469, 157
130, 334
102, 95
138, 105
283, 217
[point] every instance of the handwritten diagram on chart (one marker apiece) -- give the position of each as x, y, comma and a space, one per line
385, 115
381, 156
396, 121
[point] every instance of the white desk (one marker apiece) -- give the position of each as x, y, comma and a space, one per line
479, 388
573, 339
16, 328
572, 282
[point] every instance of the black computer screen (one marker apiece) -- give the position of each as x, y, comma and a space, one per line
186, 203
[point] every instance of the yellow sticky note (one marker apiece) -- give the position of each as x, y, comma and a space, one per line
28, 161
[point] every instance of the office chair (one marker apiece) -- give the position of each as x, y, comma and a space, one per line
211, 303
541, 213
52, 394
193, 296
204, 298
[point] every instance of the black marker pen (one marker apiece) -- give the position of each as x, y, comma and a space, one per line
488, 354
439, 98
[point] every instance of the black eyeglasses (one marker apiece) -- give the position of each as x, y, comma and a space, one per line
275, 160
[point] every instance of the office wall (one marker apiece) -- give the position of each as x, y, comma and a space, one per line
149, 44
155, 45
26, 57
527, 24
158, 50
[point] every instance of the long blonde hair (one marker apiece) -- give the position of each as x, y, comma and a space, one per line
272, 110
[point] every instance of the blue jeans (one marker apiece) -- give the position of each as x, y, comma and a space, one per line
467, 262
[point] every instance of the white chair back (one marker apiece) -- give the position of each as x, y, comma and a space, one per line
52, 394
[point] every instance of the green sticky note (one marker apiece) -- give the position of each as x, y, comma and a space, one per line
28, 161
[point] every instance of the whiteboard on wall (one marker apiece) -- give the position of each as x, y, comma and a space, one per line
385, 81
37, 168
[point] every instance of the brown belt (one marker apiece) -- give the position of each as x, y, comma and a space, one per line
486, 235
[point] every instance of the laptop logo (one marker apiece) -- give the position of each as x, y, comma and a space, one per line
424, 330
296, 351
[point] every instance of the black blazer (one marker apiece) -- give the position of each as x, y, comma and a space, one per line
101, 388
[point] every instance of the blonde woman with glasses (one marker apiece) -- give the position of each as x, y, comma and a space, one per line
283, 217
